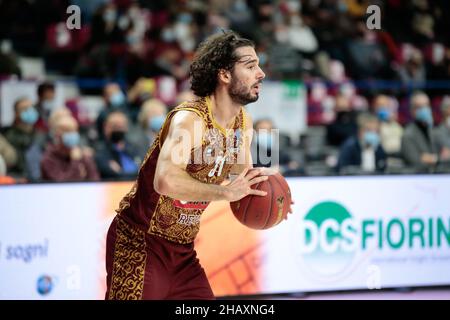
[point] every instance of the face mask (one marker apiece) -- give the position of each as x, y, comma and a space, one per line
48, 105
117, 99
185, 18
371, 138
264, 140
383, 114
240, 6
71, 139
132, 39
168, 35
117, 136
110, 15
156, 123
342, 6
29, 116
424, 115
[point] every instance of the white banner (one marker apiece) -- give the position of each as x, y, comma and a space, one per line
361, 233
345, 233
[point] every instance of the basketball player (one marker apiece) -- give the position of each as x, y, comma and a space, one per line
150, 252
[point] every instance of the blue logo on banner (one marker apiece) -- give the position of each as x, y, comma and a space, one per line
44, 284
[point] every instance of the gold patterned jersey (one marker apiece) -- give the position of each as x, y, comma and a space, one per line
174, 219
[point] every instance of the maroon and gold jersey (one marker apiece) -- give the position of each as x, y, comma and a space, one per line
173, 219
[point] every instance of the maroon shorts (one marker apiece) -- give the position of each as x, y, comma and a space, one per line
143, 266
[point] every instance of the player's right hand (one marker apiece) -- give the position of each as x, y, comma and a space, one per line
241, 186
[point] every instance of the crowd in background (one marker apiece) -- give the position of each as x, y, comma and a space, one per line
357, 123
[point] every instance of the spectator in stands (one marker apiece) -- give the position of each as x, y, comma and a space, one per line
115, 100
21, 135
64, 159
367, 56
265, 142
413, 71
418, 146
344, 125
45, 105
363, 152
150, 119
442, 133
116, 157
390, 130
8, 153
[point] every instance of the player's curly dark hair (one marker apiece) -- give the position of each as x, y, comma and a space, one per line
214, 54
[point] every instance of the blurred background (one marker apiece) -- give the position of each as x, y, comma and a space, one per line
85, 90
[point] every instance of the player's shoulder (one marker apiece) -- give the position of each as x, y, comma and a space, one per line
185, 118
189, 112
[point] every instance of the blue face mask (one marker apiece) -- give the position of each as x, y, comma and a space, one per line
48, 105
185, 18
168, 35
383, 114
132, 39
156, 123
29, 116
71, 139
117, 99
424, 115
372, 139
264, 140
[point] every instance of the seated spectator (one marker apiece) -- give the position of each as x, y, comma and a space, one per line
363, 150
116, 157
64, 159
114, 100
35, 152
344, 125
265, 142
442, 133
390, 130
418, 146
21, 135
150, 119
45, 105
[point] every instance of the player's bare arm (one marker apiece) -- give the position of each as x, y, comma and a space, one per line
171, 178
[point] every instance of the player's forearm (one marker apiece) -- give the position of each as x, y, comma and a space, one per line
180, 185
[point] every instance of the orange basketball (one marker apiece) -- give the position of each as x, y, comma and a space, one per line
264, 212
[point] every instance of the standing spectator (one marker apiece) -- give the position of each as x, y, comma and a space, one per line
344, 125
364, 150
116, 157
390, 130
64, 159
21, 135
418, 145
442, 133
45, 105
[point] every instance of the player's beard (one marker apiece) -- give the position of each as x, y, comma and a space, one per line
240, 93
